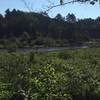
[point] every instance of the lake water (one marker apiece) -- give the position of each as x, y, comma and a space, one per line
45, 49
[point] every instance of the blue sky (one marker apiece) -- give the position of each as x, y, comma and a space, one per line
80, 10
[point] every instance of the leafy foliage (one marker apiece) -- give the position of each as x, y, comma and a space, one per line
64, 75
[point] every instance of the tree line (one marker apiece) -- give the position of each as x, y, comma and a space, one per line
32, 28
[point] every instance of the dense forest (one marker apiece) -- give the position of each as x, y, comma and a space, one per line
20, 29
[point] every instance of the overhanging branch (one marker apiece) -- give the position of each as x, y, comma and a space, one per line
51, 7
61, 4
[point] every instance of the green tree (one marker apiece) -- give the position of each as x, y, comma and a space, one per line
71, 18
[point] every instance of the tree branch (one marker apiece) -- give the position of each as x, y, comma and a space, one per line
54, 6
26, 5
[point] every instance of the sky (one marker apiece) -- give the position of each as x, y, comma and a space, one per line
80, 10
